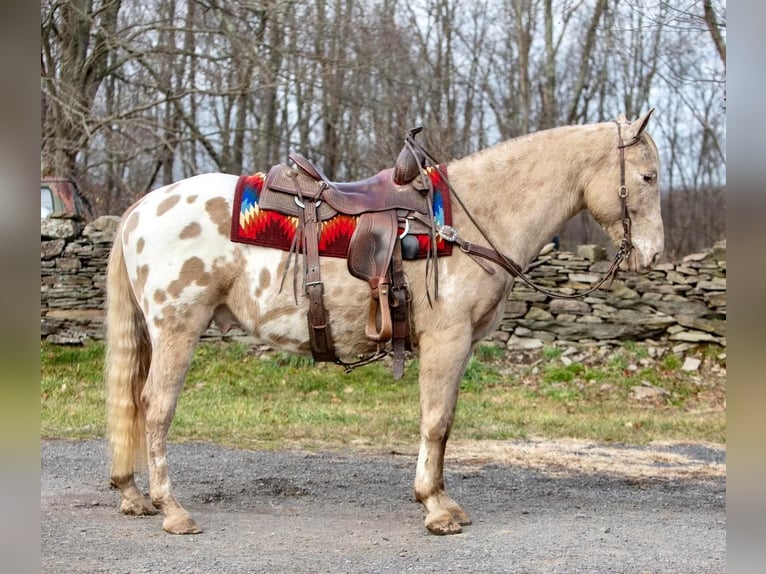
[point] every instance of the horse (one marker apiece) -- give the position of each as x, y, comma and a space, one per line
173, 271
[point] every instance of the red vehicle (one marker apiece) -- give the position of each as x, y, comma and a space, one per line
59, 195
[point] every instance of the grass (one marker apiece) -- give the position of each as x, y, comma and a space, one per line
235, 397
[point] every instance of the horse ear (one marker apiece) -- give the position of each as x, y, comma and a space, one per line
622, 119
637, 127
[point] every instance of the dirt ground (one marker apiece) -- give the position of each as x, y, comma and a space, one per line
537, 507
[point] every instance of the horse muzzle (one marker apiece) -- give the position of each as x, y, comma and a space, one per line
640, 261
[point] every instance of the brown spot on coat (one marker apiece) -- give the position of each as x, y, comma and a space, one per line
160, 296
167, 204
192, 271
265, 278
191, 199
140, 245
172, 187
219, 212
191, 230
142, 274
130, 226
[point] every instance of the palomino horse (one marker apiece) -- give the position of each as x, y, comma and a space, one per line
173, 270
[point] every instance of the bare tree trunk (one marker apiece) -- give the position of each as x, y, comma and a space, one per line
522, 18
575, 111
71, 79
548, 91
715, 30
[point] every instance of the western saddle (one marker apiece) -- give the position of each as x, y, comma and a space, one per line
394, 197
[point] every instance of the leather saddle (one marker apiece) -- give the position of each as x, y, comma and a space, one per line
381, 204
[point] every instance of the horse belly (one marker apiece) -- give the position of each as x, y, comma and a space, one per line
268, 308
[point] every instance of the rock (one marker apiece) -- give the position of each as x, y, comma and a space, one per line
685, 270
56, 228
591, 252
680, 307
51, 249
102, 229
691, 364
523, 294
523, 343
715, 284
600, 267
647, 391
68, 338
544, 336
621, 291
694, 337
676, 277
515, 309
68, 264
571, 306
501, 336
592, 319
538, 314
588, 278
708, 325
547, 249
579, 331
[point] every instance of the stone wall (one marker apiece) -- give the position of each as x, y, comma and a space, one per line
681, 303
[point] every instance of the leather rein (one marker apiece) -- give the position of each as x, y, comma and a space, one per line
493, 254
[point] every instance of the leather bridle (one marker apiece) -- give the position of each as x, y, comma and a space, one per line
493, 254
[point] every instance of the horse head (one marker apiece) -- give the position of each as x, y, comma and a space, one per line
625, 199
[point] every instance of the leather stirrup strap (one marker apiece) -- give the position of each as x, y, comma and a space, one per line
400, 338
322, 347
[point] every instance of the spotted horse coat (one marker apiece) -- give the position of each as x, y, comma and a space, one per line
173, 270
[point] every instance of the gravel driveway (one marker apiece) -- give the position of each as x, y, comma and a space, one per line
537, 508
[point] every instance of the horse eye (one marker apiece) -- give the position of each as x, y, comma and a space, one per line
649, 177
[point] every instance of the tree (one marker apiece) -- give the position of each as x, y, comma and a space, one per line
76, 38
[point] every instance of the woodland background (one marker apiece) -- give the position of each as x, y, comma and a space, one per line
136, 94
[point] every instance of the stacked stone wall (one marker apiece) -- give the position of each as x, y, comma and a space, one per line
681, 304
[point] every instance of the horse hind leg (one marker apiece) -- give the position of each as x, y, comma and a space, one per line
170, 362
443, 359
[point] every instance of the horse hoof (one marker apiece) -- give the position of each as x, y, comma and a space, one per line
459, 516
137, 507
443, 524
180, 524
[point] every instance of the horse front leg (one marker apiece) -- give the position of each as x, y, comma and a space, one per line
443, 359
171, 358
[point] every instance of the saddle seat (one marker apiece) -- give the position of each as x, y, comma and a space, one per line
377, 193
381, 203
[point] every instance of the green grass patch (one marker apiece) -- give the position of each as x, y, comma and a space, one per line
235, 397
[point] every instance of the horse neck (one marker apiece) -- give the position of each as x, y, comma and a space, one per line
523, 191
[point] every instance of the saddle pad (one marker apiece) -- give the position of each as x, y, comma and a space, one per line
255, 226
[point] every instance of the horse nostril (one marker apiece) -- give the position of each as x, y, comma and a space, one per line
655, 259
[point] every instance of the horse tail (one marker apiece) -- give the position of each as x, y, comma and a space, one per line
128, 355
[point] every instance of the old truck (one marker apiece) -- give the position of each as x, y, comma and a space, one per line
60, 196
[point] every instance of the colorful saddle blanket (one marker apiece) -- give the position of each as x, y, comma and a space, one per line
252, 225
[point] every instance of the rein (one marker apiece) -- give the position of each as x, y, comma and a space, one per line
493, 254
